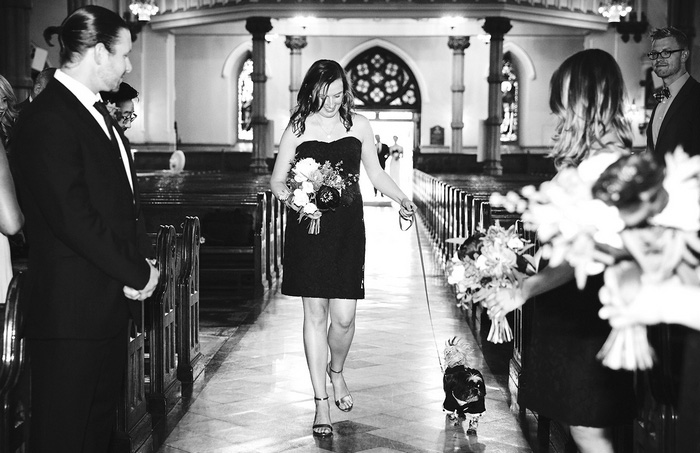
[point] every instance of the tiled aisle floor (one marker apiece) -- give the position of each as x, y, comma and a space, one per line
259, 398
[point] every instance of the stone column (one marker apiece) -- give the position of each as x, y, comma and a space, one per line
497, 27
258, 27
15, 63
457, 44
294, 44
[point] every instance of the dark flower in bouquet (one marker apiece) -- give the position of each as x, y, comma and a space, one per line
327, 198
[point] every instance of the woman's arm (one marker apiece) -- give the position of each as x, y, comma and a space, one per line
380, 178
11, 217
285, 155
503, 301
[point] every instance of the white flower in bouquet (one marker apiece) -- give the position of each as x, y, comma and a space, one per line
310, 208
307, 187
683, 187
300, 198
304, 169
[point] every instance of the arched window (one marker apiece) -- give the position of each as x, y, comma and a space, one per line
381, 80
245, 101
510, 91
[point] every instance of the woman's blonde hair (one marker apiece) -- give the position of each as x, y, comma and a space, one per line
588, 99
8, 117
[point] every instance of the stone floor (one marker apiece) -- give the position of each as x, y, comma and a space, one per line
255, 394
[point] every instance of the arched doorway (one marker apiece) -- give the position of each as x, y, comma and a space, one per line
386, 92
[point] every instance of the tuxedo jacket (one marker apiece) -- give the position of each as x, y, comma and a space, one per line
681, 125
83, 224
382, 154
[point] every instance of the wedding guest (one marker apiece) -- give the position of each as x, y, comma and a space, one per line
123, 102
42, 79
327, 269
88, 266
382, 154
11, 218
676, 118
561, 377
8, 110
396, 153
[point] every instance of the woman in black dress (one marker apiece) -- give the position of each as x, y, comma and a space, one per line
561, 378
327, 269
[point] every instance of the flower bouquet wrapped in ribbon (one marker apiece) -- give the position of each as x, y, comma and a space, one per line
486, 261
661, 213
625, 215
314, 189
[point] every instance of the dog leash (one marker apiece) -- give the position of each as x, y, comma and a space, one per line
411, 219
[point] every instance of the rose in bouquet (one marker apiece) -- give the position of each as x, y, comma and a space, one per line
485, 262
314, 189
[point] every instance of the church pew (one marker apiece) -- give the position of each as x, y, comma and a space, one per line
134, 421
231, 230
161, 332
189, 357
14, 396
242, 229
164, 351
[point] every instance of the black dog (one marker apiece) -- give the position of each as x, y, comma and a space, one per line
464, 387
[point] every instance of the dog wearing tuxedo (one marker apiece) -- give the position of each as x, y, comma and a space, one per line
464, 387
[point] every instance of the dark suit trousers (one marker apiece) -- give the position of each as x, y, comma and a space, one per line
76, 385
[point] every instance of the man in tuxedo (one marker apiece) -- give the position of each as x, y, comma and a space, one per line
676, 118
88, 268
382, 154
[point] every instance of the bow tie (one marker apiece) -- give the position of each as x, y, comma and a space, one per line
661, 94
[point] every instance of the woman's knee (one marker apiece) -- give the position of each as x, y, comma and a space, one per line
345, 323
315, 312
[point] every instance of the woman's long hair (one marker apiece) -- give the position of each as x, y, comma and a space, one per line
85, 28
588, 99
316, 81
8, 117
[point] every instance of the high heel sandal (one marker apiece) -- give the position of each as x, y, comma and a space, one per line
347, 399
323, 434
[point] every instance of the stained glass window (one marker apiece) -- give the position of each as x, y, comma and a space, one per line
245, 101
381, 80
510, 95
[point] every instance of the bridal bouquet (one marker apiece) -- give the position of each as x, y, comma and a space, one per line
486, 261
314, 189
625, 215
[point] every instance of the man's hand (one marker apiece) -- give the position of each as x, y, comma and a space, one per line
147, 290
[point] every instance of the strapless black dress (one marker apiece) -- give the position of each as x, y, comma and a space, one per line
330, 264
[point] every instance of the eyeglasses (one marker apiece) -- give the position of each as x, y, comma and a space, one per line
129, 117
664, 54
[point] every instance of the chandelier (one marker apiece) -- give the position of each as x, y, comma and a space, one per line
614, 9
143, 9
